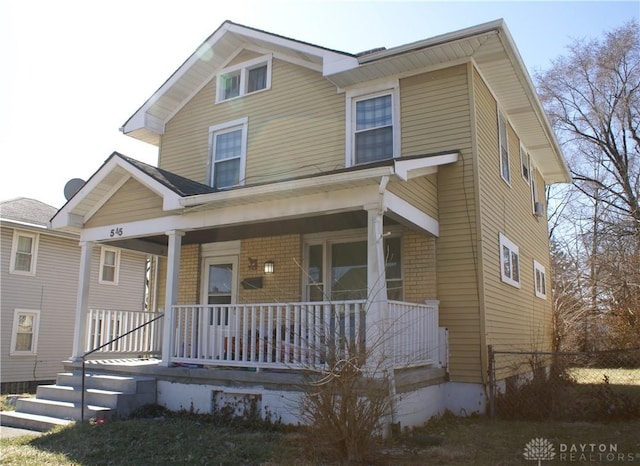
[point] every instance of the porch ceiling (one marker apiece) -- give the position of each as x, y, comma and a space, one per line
306, 225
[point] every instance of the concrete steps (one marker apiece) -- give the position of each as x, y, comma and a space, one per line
106, 396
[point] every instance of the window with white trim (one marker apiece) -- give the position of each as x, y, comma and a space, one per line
24, 251
540, 280
228, 150
535, 194
525, 164
24, 336
509, 262
503, 144
245, 78
372, 124
336, 268
109, 265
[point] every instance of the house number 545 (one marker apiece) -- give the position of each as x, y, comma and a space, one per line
116, 232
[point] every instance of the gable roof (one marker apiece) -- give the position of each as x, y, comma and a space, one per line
26, 210
489, 46
112, 175
147, 123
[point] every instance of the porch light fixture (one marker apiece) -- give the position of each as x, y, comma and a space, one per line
268, 267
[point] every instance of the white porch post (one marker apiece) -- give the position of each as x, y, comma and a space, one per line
82, 301
171, 294
376, 286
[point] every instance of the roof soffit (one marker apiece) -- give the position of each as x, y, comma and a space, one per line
101, 187
147, 123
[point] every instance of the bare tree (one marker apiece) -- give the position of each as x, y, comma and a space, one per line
592, 96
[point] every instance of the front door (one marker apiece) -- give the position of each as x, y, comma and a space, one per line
219, 288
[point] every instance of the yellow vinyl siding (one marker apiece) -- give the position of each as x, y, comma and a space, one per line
514, 317
421, 192
131, 202
436, 116
295, 128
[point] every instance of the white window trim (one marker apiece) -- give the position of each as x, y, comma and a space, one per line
244, 68
14, 332
504, 241
116, 274
354, 95
535, 192
524, 153
241, 123
34, 252
502, 117
538, 267
326, 240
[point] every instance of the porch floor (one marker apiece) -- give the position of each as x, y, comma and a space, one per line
286, 379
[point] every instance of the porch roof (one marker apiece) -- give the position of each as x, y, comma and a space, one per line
181, 195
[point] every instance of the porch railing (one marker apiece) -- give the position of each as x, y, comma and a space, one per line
298, 335
104, 326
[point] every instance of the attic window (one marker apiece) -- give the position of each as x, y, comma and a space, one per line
246, 78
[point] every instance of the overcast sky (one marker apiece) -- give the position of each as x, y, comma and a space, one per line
73, 71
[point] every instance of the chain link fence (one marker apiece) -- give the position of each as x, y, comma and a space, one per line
577, 386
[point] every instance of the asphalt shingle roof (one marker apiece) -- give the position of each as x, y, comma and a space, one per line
24, 209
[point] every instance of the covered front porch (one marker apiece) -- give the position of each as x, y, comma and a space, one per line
354, 257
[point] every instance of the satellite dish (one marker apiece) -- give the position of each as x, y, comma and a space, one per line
72, 187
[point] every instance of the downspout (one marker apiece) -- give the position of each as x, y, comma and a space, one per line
388, 368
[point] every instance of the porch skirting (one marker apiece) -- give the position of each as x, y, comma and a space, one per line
421, 392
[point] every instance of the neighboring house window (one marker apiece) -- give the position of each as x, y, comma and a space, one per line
228, 144
24, 251
372, 126
337, 269
503, 142
540, 280
246, 78
109, 265
24, 338
525, 163
509, 262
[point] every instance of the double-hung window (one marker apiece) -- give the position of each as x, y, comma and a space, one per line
372, 125
24, 337
509, 262
246, 78
109, 266
540, 278
24, 251
503, 143
228, 147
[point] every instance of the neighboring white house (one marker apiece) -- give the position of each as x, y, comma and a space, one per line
39, 271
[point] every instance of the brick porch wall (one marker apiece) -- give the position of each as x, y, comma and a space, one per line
419, 266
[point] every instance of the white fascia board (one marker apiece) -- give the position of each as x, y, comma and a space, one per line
343, 200
408, 169
66, 217
284, 186
409, 213
139, 118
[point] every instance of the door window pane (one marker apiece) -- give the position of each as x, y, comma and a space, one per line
220, 284
315, 273
349, 271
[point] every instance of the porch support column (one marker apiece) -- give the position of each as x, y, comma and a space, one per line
82, 301
376, 287
171, 294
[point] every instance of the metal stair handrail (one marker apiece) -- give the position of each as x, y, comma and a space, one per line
160, 316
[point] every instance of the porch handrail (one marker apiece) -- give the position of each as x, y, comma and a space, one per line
84, 356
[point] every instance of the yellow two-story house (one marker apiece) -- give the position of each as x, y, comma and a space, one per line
306, 199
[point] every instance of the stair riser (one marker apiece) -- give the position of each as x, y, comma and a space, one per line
54, 393
58, 411
120, 384
31, 424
